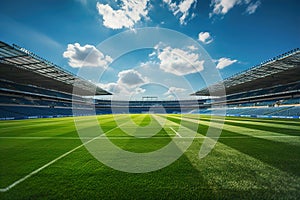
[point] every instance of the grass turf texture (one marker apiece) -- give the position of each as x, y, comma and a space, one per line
253, 159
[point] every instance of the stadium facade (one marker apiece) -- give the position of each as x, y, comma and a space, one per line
32, 87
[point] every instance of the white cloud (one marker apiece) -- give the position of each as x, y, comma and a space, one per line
221, 7
131, 78
171, 97
184, 8
149, 66
178, 61
172, 5
112, 87
131, 12
139, 90
224, 62
162, 81
128, 83
205, 37
192, 48
152, 54
88, 55
174, 91
253, 7
181, 9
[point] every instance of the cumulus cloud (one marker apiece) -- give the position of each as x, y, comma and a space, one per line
172, 5
112, 87
181, 9
192, 48
131, 12
221, 7
224, 62
86, 56
139, 90
131, 78
179, 62
128, 83
253, 7
205, 37
174, 91
171, 97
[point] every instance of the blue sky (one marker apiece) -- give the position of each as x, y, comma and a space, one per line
236, 34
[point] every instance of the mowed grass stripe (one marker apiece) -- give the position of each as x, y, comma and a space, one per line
169, 133
139, 142
227, 169
7, 125
233, 170
141, 119
273, 121
267, 125
46, 165
132, 129
20, 158
86, 178
281, 155
229, 131
275, 170
35, 130
276, 121
261, 126
240, 128
35, 125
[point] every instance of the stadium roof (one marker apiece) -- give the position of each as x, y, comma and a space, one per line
21, 66
282, 69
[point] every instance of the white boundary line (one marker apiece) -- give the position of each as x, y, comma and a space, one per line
99, 137
154, 137
41, 138
50, 163
176, 132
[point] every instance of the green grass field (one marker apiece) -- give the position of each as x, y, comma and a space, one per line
253, 159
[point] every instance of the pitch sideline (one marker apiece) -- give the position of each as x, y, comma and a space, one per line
51, 162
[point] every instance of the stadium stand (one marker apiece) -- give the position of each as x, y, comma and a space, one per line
32, 87
271, 89
152, 106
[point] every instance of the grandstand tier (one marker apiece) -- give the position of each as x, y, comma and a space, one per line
271, 89
31, 87
258, 112
21, 66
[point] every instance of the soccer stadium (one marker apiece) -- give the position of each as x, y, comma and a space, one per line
32, 87
38, 134
64, 135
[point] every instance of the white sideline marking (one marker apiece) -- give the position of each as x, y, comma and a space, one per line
40, 138
50, 163
176, 132
126, 137
155, 137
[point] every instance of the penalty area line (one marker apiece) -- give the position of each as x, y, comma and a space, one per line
50, 163
176, 132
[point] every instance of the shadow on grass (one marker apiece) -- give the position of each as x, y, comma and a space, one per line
277, 154
279, 130
286, 122
80, 176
